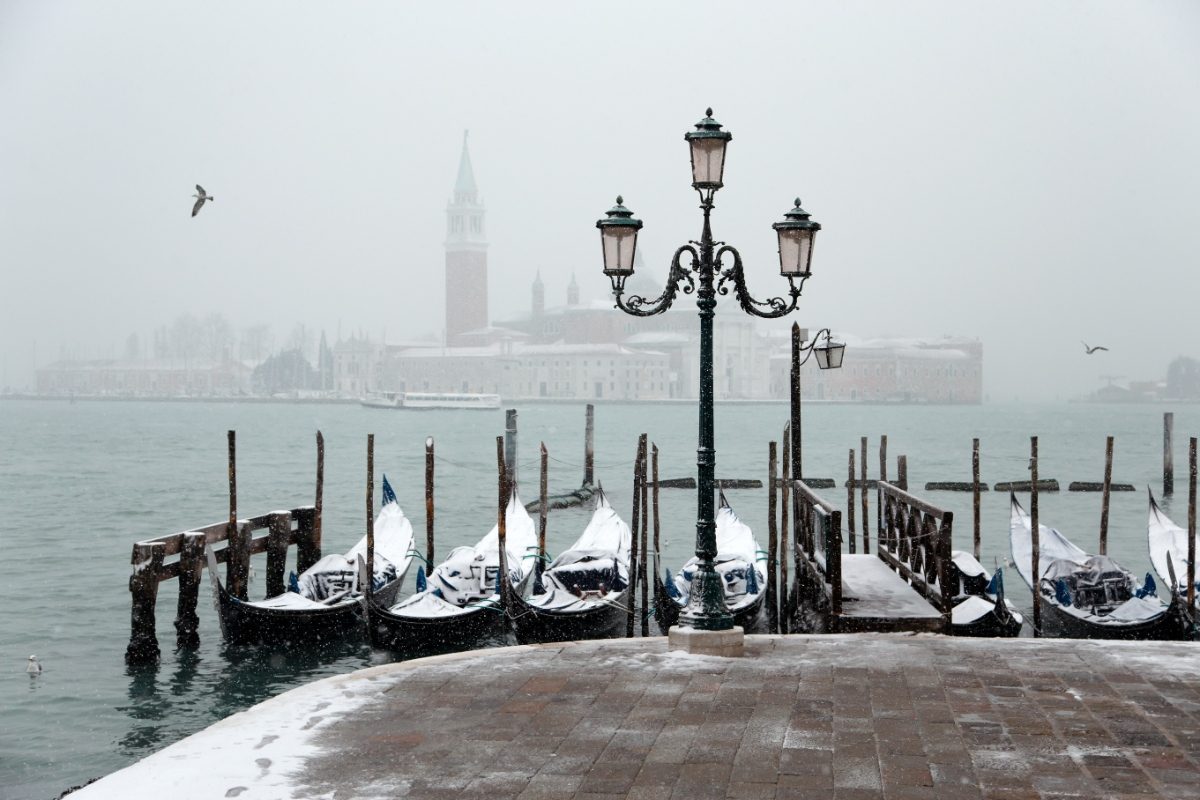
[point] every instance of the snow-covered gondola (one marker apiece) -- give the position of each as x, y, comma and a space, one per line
741, 564
1087, 596
324, 603
458, 606
979, 606
1169, 553
584, 592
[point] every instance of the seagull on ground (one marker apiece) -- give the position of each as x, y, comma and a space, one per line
33, 668
1089, 350
201, 196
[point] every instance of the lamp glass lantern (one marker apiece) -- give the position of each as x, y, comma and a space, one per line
707, 144
618, 238
796, 234
830, 354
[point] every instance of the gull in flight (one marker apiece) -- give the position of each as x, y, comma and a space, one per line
201, 197
1089, 350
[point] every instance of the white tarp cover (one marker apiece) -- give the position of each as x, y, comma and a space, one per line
1167, 537
599, 559
737, 554
334, 579
469, 574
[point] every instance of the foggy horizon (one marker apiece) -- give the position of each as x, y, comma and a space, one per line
1020, 175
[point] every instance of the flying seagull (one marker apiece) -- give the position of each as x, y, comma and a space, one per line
201, 196
1089, 350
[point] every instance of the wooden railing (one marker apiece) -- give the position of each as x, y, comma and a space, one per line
914, 540
819, 533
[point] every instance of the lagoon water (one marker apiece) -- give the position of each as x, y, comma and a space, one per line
80, 482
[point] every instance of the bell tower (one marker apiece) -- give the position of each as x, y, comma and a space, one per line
466, 255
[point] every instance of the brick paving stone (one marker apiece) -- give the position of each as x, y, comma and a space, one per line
844, 717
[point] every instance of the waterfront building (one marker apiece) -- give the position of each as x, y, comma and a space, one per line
176, 377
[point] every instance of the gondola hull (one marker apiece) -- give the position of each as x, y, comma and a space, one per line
603, 620
1171, 625
401, 633
993, 624
245, 623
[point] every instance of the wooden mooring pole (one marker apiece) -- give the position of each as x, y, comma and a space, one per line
645, 612
1191, 557
543, 506
1036, 536
975, 496
237, 564
1168, 454
882, 479
368, 590
654, 495
785, 528
850, 504
866, 528
589, 446
902, 472
772, 534
510, 445
308, 544
503, 493
1108, 459
429, 505
633, 530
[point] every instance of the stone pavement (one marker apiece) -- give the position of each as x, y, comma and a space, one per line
842, 717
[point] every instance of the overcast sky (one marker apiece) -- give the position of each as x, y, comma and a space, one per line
1023, 173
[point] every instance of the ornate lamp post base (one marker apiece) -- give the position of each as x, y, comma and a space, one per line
728, 643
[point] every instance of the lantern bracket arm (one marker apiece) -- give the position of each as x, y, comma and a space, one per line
735, 276
680, 277
807, 349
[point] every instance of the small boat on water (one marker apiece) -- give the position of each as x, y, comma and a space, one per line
326, 601
740, 562
382, 400
584, 592
1087, 596
458, 606
1169, 553
979, 605
462, 400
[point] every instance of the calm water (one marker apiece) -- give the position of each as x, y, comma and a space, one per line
79, 483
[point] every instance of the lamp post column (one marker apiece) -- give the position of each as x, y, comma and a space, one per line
706, 602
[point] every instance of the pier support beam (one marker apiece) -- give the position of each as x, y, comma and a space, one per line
279, 532
191, 568
143, 584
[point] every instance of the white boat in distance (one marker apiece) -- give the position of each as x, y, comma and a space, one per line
431, 400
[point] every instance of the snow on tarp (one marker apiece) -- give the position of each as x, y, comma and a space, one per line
1052, 545
737, 554
469, 574
971, 609
1165, 537
598, 562
967, 564
333, 580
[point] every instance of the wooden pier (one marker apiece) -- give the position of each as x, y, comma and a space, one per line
903, 586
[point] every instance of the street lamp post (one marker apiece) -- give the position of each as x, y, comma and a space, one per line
706, 608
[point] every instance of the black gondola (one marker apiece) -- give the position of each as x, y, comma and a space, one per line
979, 606
741, 564
458, 606
325, 602
1087, 596
584, 593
